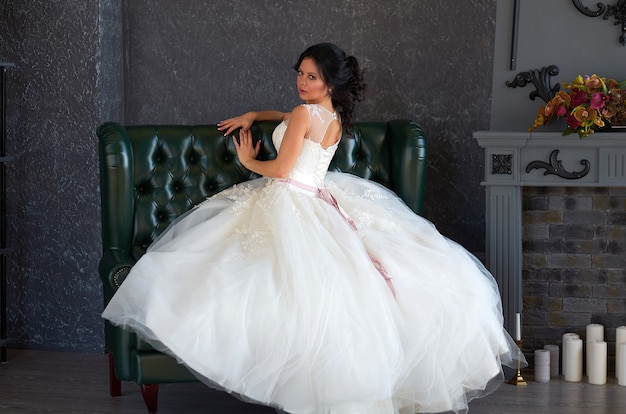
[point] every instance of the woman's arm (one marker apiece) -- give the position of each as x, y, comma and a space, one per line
290, 147
245, 121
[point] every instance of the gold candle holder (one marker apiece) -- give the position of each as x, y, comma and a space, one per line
518, 379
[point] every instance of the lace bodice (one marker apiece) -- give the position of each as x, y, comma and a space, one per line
312, 163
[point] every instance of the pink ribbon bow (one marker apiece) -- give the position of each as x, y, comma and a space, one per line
325, 195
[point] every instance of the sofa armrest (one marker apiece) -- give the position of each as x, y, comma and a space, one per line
113, 268
408, 161
116, 186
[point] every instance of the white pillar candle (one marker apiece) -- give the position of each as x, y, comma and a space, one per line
620, 337
518, 327
622, 365
595, 332
554, 359
542, 365
566, 336
573, 362
596, 362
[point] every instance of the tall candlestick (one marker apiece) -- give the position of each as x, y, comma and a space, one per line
518, 327
518, 379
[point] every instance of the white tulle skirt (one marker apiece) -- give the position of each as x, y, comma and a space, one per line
266, 291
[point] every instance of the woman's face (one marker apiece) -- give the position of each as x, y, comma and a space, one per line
311, 87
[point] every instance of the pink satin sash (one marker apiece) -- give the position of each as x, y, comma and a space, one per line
325, 195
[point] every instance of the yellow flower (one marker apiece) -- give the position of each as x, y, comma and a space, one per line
578, 83
594, 84
598, 121
540, 119
584, 115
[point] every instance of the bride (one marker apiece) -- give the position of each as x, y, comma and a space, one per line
314, 291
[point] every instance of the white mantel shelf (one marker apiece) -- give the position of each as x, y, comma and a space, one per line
517, 159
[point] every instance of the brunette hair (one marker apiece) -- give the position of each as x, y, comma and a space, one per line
342, 74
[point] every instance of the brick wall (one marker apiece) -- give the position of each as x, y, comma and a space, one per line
574, 250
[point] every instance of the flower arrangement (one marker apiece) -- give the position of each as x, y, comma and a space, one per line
590, 104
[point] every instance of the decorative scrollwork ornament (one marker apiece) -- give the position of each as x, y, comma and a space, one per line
617, 10
540, 78
555, 166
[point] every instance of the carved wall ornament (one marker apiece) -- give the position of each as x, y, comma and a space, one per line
555, 167
540, 78
617, 10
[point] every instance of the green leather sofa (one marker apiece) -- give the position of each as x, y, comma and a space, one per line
149, 175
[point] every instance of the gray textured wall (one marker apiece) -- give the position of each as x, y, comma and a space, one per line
83, 62
427, 61
54, 294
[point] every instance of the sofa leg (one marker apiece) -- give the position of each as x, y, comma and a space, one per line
115, 385
150, 393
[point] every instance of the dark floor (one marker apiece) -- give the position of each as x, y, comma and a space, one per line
58, 382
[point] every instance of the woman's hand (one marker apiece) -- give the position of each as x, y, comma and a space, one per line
242, 121
246, 150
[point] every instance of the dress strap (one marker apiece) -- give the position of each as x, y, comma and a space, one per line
325, 195
321, 118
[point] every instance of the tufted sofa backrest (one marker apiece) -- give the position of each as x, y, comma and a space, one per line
152, 174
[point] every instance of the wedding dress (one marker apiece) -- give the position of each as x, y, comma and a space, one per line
334, 301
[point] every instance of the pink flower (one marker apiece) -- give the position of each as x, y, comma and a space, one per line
598, 100
561, 110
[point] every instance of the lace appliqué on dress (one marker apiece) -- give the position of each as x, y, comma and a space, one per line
252, 239
239, 194
374, 195
255, 233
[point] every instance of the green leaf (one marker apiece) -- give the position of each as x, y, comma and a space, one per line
569, 131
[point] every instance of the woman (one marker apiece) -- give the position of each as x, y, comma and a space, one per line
318, 292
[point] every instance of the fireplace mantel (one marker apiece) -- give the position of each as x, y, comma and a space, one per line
517, 159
